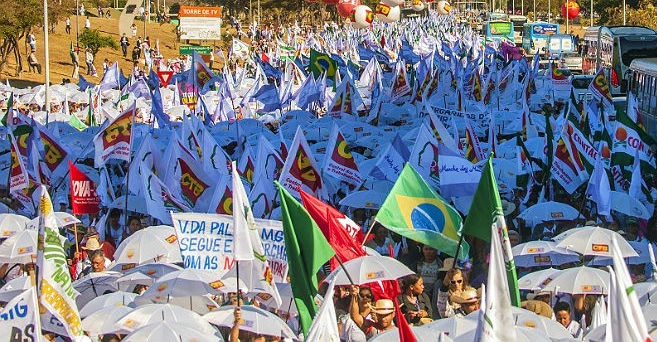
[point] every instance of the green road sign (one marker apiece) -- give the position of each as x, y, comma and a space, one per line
201, 50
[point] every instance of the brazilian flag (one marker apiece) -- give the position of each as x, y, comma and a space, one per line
414, 210
321, 63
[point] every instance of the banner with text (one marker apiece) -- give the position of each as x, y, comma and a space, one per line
207, 242
19, 319
201, 23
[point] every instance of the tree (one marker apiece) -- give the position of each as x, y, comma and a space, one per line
95, 41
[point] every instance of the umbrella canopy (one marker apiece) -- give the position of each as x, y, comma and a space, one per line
157, 313
151, 244
593, 241
537, 280
645, 291
63, 219
164, 331
199, 304
101, 321
287, 299
549, 211
11, 224
641, 248
580, 280
367, 199
422, 334
129, 281
108, 300
628, 205
542, 253
93, 285
254, 319
14, 287
19, 248
369, 268
453, 326
183, 283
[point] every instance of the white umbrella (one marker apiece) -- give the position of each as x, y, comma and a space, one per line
154, 270
63, 219
19, 248
199, 304
370, 268
108, 300
14, 287
367, 199
93, 285
287, 298
452, 326
185, 282
628, 205
151, 244
11, 224
135, 203
101, 321
641, 248
522, 334
580, 280
542, 253
593, 241
129, 281
544, 325
254, 319
537, 280
422, 334
170, 331
168, 313
644, 291
549, 211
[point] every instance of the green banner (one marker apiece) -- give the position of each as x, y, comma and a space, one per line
201, 50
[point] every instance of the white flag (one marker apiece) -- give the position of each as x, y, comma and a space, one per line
243, 221
19, 319
599, 188
325, 324
56, 289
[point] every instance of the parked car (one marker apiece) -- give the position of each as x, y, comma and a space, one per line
581, 85
572, 61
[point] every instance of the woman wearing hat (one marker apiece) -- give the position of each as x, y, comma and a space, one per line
453, 284
383, 312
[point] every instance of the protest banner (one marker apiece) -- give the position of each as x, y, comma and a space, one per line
202, 23
19, 319
207, 242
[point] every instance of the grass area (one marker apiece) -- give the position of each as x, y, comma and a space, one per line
60, 42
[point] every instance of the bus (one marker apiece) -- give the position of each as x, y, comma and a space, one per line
643, 84
614, 48
518, 22
535, 36
498, 31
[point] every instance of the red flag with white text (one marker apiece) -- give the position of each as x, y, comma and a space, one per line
84, 199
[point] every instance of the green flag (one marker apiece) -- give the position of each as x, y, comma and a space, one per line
75, 122
488, 211
307, 250
10, 111
321, 63
414, 210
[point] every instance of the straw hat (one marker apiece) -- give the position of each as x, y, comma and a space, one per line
448, 264
508, 207
591, 223
469, 295
383, 307
533, 295
92, 245
538, 307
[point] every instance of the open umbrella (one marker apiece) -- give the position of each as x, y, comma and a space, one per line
549, 211
593, 241
542, 253
422, 334
129, 281
645, 291
254, 319
580, 280
101, 321
628, 205
151, 244
63, 219
14, 287
107, 300
641, 248
185, 282
287, 298
19, 248
452, 326
11, 224
168, 313
367, 199
170, 331
199, 304
93, 285
537, 280
369, 268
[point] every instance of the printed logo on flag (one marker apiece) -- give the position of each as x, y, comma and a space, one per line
171, 239
303, 170
226, 203
118, 131
192, 186
591, 288
598, 247
374, 275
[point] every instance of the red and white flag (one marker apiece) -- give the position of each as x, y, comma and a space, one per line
18, 177
339, 162
114, 140
84, 199
300, 169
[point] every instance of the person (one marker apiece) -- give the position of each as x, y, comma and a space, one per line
106, 63
453, 284
68, 25
32, 41
133, 29
563, 316
85, 262
414, 303
115, 230
381, 241
92, 233
100, 12
427, 267
134, 225
124, 45
538, 307
238, 335
87, 24
514, 238
33, 63
98, 261
383, 314
75, 59
89, 59
361, 301
468, 301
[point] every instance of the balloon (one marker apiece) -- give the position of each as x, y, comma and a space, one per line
570, 10
346, 6
361, 16
393, 3
387, 13
443, 7
418, 5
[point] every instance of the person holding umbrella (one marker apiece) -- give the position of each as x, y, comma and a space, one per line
383, 313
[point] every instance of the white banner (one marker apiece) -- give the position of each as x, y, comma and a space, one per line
207, 242
19, 320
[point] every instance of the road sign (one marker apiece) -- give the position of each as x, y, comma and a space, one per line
200, 49
165, 77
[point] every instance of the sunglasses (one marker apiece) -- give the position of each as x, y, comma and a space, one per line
456, 281
366, 295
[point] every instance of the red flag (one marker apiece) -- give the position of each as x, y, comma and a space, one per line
84, 199
343, 234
